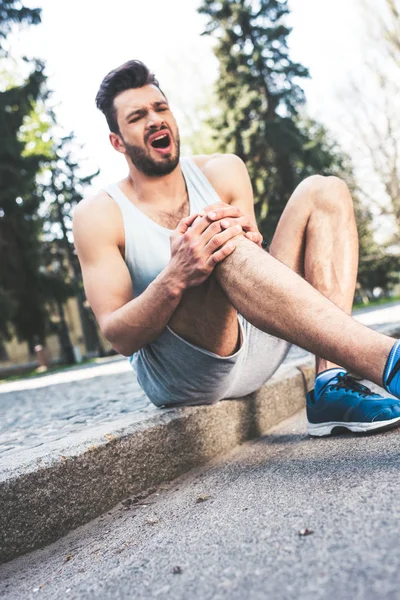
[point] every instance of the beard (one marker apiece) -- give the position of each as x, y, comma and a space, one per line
147, 165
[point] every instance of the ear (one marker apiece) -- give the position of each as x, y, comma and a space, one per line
117, 143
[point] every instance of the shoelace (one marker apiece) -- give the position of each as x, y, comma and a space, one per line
347, 381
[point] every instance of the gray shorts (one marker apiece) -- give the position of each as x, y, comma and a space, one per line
172, 371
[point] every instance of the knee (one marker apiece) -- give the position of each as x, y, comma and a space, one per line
244, 250
334, 185
241, 241
332, 195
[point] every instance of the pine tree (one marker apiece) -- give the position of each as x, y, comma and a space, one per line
21, 280
63, 189
19, 224
260, 102
30, 288
12, 12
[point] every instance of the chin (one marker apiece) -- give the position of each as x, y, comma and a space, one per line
163, 167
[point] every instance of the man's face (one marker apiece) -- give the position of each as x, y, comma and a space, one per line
148, 131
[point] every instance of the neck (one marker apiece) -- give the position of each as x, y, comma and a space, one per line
156, 190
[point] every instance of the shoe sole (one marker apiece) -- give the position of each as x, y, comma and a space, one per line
323, 429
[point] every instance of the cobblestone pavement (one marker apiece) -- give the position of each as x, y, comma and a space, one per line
36, 411
32, 416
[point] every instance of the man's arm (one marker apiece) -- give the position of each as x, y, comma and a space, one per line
131, 323
127, 323
228, 175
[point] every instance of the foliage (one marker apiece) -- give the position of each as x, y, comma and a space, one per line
12, 12
260, 103
377, 267
30, 288
198, 133
39, 184
371, 112
62, 188
261, 118
35, 132
21, 279
379, 271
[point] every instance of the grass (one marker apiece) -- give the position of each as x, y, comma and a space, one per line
34, 373
373, 303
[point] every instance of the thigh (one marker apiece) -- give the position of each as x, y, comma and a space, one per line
206, 318
288, 242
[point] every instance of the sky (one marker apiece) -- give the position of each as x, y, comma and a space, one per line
82, 40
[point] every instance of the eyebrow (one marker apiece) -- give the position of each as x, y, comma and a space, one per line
140, 110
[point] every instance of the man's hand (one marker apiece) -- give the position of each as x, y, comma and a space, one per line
197, 246
229, 215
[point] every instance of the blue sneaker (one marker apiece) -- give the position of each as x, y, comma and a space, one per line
391, 376
339, 400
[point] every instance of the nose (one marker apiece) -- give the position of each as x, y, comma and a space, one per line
154, 120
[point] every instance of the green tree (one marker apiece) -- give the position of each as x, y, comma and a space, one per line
59, 288
16, 184
62, 188
21, 279
260, 103
12, 12
30, 288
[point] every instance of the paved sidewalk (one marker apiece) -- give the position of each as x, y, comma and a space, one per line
77, 442
35, 412
235, 530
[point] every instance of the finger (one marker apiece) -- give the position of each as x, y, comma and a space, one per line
245, 221
201, 225
223, 212
221, 254
217, 241
211, 207
254, 237
185, 223
211, 230
197, 219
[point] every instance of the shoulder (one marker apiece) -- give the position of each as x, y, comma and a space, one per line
212, 164
94, 205
224, 171
97, 217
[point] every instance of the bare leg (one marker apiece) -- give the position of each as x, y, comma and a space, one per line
277, 300
206, 318
317, 237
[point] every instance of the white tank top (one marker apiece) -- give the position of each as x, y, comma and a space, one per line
147, 244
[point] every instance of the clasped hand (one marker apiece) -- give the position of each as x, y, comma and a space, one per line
203, 240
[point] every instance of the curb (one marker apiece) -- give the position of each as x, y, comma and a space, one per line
45, 499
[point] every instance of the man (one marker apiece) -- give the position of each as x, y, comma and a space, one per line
174, 270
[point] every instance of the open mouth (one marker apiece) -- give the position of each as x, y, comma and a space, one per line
161, 141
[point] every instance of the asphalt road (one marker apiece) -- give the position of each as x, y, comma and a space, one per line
235, 530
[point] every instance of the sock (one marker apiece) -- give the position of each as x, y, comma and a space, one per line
392, 385
323, 379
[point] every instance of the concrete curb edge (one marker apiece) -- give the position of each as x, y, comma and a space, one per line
41, 505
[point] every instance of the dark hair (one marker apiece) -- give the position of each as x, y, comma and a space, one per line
132, 74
